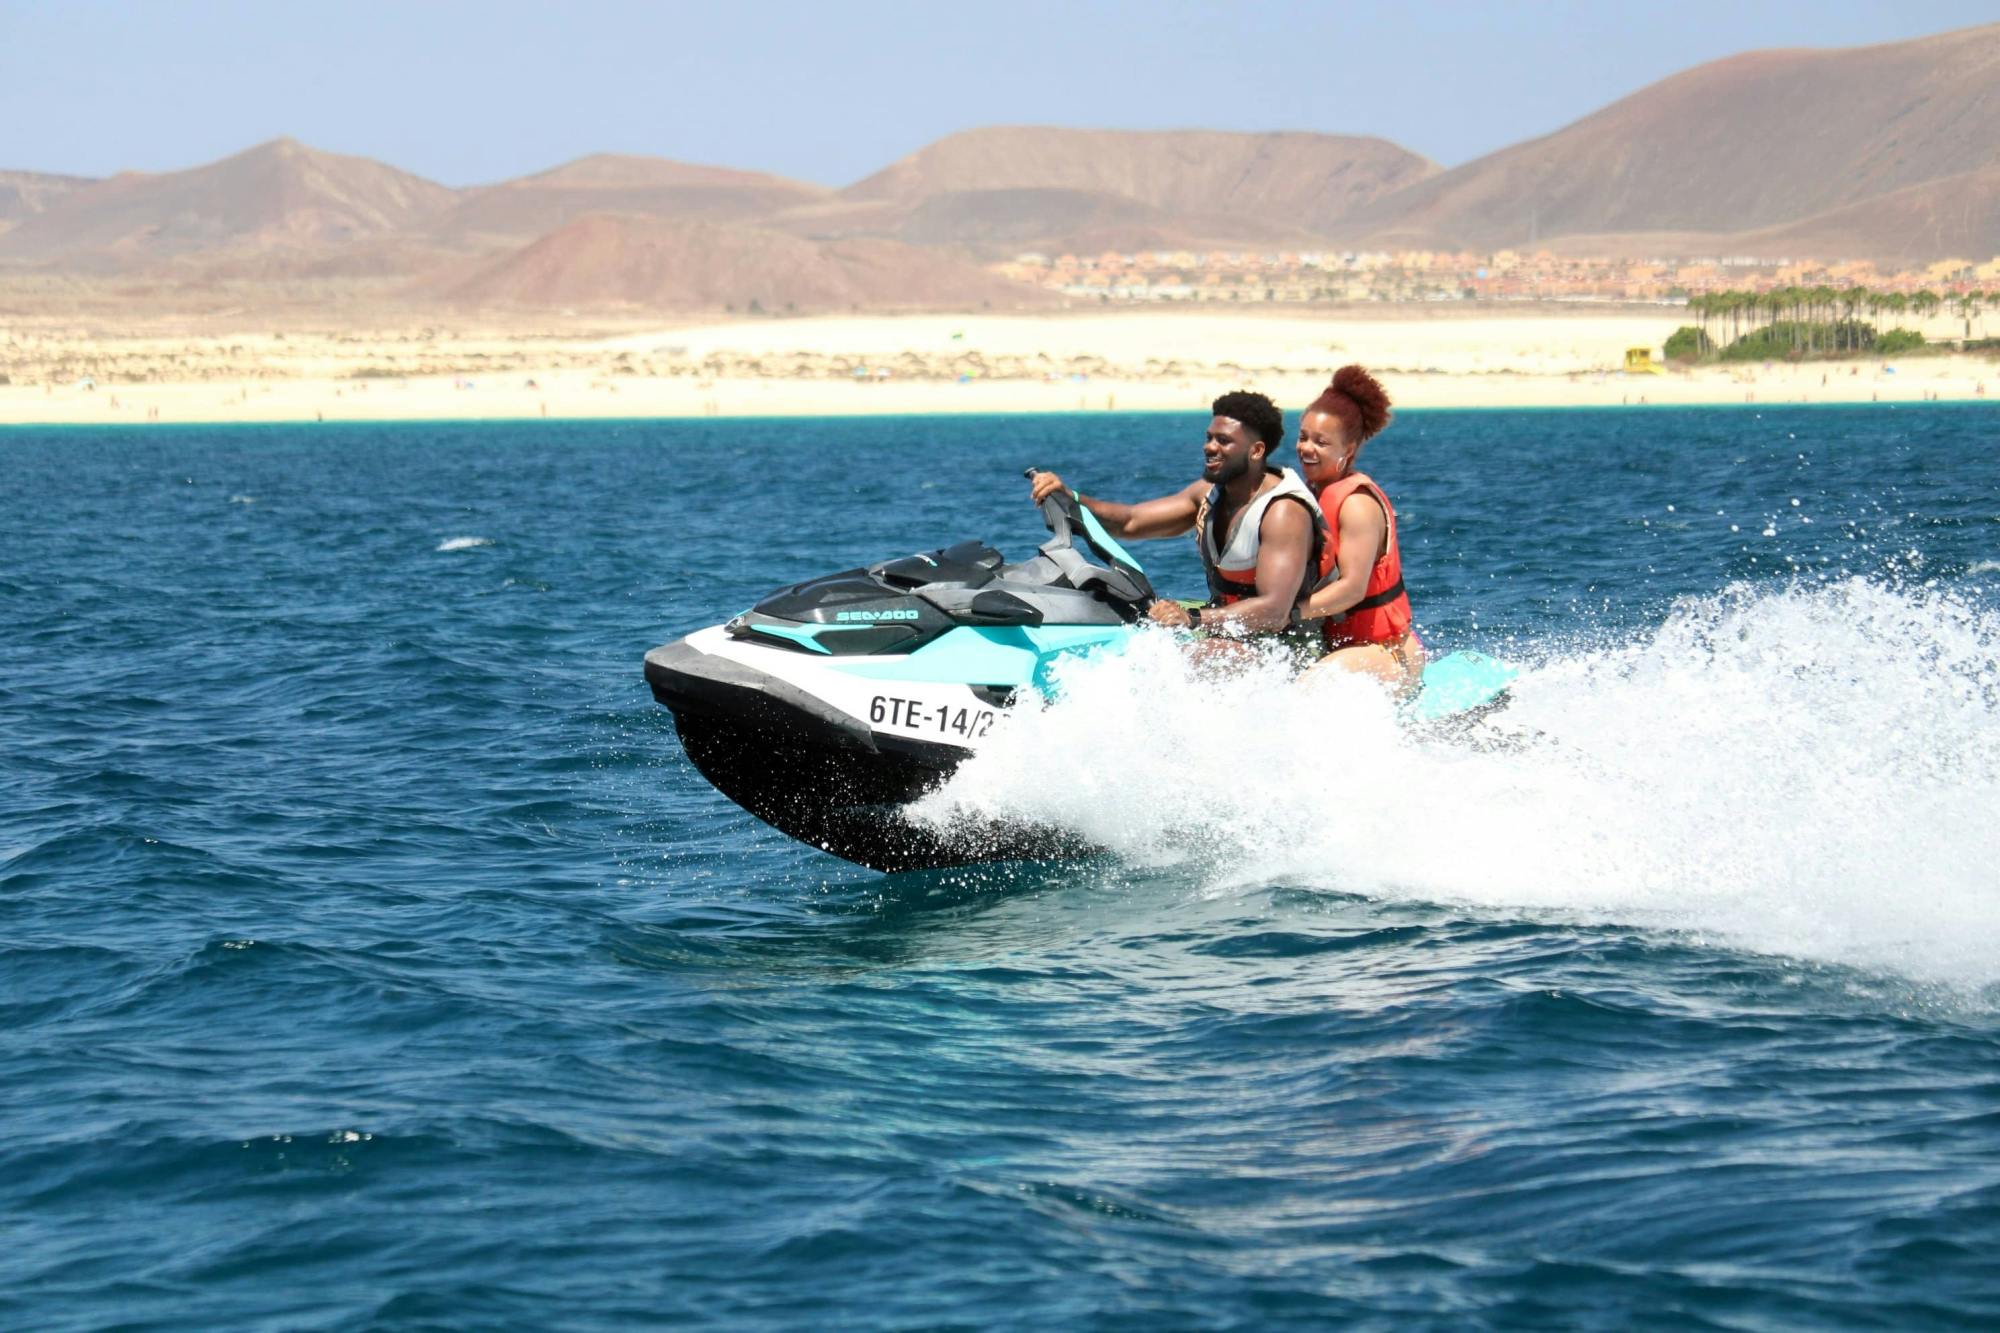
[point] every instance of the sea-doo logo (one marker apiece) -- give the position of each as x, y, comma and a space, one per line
877, 615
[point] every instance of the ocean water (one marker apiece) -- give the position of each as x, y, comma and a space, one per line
371, 958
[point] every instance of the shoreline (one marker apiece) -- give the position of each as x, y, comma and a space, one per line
318, 400
890, 414
910, 366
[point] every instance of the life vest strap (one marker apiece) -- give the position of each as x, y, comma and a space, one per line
1382, 598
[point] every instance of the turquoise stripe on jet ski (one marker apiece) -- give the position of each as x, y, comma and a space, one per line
1458, 681
805, 635
1012, 656
1101, 537
1001, 655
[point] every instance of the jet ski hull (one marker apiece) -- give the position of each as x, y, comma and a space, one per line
818, 772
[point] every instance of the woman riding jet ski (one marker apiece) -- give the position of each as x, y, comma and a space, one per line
831, 704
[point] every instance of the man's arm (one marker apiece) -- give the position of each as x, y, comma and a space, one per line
1284, 543
1168, 516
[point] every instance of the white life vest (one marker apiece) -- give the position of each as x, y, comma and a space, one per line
1232, 569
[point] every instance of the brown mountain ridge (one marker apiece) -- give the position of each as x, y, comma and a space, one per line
520, 210
1752, 142
26, 192
280, 194
659, 263
1887, 152
1002, 189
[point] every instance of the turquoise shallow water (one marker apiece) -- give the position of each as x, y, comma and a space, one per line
369, 956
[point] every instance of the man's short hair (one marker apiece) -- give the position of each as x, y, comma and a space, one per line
1258, 413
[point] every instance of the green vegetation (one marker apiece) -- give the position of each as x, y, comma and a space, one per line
1794, 323
1792, 339
1688, 343
1969, 304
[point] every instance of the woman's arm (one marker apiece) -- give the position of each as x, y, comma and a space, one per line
1363, 528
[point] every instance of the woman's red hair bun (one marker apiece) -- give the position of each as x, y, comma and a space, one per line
1358, 401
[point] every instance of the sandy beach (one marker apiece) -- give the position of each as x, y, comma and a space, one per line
1169, 360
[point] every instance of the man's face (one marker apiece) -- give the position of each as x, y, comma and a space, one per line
1225, 454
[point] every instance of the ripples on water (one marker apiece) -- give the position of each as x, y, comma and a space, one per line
371, 957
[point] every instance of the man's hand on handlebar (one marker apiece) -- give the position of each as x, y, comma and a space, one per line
1044, 484
1171, 614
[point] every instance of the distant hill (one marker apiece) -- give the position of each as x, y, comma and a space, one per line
1756, 141
23, 193
1954, 217
519, 210
1957, 217
1889, 153
619, 260
280, 194
994, 224
1011, 188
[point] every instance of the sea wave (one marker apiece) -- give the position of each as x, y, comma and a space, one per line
463, 543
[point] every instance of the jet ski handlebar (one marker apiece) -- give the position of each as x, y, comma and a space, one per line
1070, 546
1058, 511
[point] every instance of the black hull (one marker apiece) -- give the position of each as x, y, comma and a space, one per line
816, 775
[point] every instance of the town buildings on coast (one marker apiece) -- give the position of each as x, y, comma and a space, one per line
1299, 277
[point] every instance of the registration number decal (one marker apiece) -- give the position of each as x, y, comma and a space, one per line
916, 715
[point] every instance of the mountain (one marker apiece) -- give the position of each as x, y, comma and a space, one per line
23, 193
1310, 180
519, 210
651, 262
1954, 217
1009, 188
278, 195
1888, 152
994, 224
1755, 141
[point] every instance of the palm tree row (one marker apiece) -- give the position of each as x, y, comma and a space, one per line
1820, 319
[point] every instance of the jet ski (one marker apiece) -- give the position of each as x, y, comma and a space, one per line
832, 704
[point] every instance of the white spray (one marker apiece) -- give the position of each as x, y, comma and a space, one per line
1812, 772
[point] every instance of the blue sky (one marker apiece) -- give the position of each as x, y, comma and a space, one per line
466, 93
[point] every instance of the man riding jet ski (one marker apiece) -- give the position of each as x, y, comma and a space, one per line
831, 704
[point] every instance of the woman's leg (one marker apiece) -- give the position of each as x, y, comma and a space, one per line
1399, 665
1363, 659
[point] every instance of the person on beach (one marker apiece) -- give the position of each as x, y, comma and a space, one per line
1360, 602
1256, 524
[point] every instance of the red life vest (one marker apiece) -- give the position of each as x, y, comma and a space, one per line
1383, 614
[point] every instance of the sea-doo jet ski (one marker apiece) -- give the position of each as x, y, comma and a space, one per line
832, 704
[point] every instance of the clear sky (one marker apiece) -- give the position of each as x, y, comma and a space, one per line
829, 91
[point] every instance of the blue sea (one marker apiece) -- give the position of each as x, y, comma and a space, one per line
371, 958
